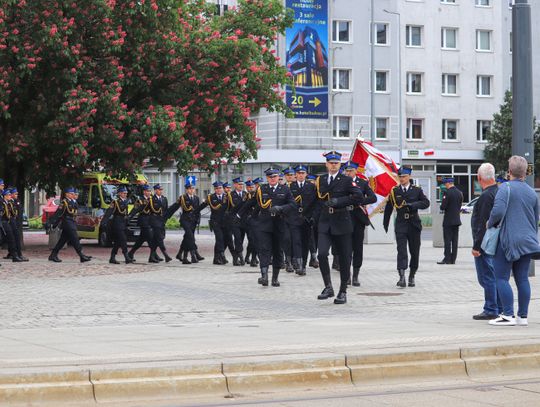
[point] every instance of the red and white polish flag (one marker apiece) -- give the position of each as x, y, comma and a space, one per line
377, 168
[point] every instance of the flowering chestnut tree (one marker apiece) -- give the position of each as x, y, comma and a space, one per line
106, 84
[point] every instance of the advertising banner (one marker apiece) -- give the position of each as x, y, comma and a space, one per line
307, 59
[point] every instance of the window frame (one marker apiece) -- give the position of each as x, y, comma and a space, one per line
408, 36
444, 135
479, 86
444, 41
334, 72
444, 80
350, 25
409, 90
479, 130
490, 4
409, 128
386, 128
335, 126
387, 82
478, 41
374, 38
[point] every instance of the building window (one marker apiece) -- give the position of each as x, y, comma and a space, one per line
381, 33
449, 84
511, 41
414, 129
341, 79
449, 38
341, 31
483, 85
381, 81
483, 40
413, 35
382, 128
483, 127
414, 82
448, 1
162, 178
483, 3
342, 126
449, 130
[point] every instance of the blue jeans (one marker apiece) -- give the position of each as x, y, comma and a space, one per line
486, 278
520, 269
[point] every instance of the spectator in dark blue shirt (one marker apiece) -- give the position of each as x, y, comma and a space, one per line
483, 261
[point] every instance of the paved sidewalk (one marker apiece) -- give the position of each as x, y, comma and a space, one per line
71, 313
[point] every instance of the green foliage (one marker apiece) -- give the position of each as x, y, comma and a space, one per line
499, 141
172, 223
35, 223
108, 85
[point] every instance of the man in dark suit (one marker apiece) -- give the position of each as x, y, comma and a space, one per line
7, 229
301, 219
452, 200
406, 199
272, 201
236, 198
360, 219
338, 195
142, 208
158, 210
116, 216
66, 214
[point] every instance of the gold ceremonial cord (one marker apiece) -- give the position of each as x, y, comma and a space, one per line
118, 209
325, 196
298, 199
66, 208
144, 202
229, 197
160, 211
214, 207
7, 212
14, 211
263, 205
185, 208
401, 205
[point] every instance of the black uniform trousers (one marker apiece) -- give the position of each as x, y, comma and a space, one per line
9, 238
358, 243
252, 236
286, 240
158, 227
238, 235
223, 237
296, 233
147, 235
343, 246
411, 236
188, 241
450, 236
15, 225
69, 235
306, 241
270, 249
118, 229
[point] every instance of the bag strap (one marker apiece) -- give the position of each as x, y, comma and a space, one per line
507, 203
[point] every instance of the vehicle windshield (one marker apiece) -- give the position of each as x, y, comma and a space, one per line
109, 192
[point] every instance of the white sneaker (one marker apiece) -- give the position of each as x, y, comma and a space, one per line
521, 321
503, 320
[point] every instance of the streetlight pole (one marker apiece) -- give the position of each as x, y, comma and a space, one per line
400, 90
372, 72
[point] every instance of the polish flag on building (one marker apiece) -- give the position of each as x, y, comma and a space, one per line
376, 167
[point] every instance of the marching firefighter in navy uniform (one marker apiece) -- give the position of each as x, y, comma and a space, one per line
189, 220
406, 199
236, 198
219, 205
6, 226
115, 219
338, 194
250, 221
65, 214
313, 262
158, 210
273, 201
142, 208
300, 222
16, 221
360, 219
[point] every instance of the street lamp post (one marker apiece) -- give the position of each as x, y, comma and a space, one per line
400, 90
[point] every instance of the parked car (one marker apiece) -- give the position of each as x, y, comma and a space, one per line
50, 208
468, 207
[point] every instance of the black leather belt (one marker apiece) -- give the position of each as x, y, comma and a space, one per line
336, 210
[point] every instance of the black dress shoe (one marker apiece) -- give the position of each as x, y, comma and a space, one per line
16, 259
84, 258
328, 292
483, 316
443, 262
341, 298
54, 258
114, 261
